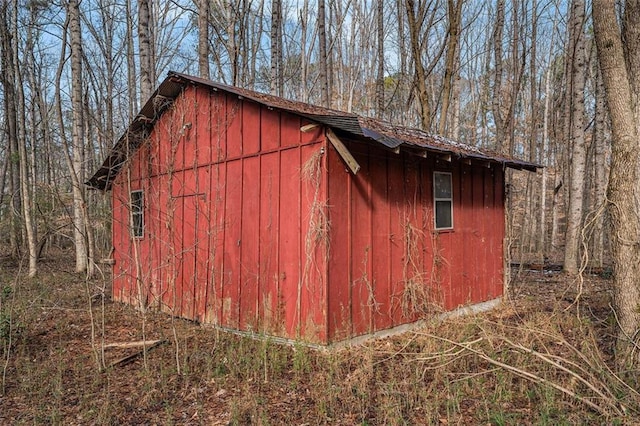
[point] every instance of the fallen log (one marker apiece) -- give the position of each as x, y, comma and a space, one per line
126, 345
130, 358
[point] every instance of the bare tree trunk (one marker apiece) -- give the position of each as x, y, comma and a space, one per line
329, 37
26, 190
5, 161
533, 88
545, 247
322, 45
7, 76
600, 170
622, 191
454, 132
233, 45
531, 229
577, 162
454, 12
131, 63
556, 206
253, 30
144, 48
485, 92
414, 19
304, 66
276, 48
380, 57
416, 16
109, 43
518, 64
80, 223
203, 38
631, 46
16, 131
403, 55
496, 105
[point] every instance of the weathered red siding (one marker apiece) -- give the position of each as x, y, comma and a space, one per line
227, 233
394, 267
251, 224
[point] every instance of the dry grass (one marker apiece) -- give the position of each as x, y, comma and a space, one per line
533, 361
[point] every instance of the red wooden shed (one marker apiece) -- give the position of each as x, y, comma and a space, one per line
260, 214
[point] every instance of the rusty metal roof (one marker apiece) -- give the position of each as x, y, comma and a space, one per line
349, 124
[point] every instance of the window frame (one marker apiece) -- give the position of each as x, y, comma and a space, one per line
137, 210
447, 199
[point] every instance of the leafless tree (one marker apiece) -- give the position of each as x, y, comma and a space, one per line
323, 59
577, 159
145, 49
277, 77
203, 38
622, 191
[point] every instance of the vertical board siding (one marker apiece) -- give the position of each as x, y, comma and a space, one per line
252, 224
454, 260
289, 130
232, 244
339, 314
188, 129
234, 128
498, 228
396, 201
380, 243
229, 218
176, 242
270, 130
152, 230
269, 295
120, 239
360, 235
144, 246
413, 233
190, 240
204, 121
250, 128
290, 284
220, 119
478, 240
314, 243
413, 271
165, 261
213, 314
250, 242
467, 219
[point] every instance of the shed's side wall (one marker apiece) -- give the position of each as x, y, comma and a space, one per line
235, 233
387, 265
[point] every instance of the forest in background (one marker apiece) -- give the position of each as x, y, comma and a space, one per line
551, 82
520, 78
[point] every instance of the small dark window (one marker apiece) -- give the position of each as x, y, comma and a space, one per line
443, 200
137, 214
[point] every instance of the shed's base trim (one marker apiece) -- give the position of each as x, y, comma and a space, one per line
472, 309
381, 334
403, 328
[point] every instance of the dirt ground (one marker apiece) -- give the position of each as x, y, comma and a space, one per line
543, 357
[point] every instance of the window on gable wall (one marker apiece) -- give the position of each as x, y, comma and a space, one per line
137, 214
443, 200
